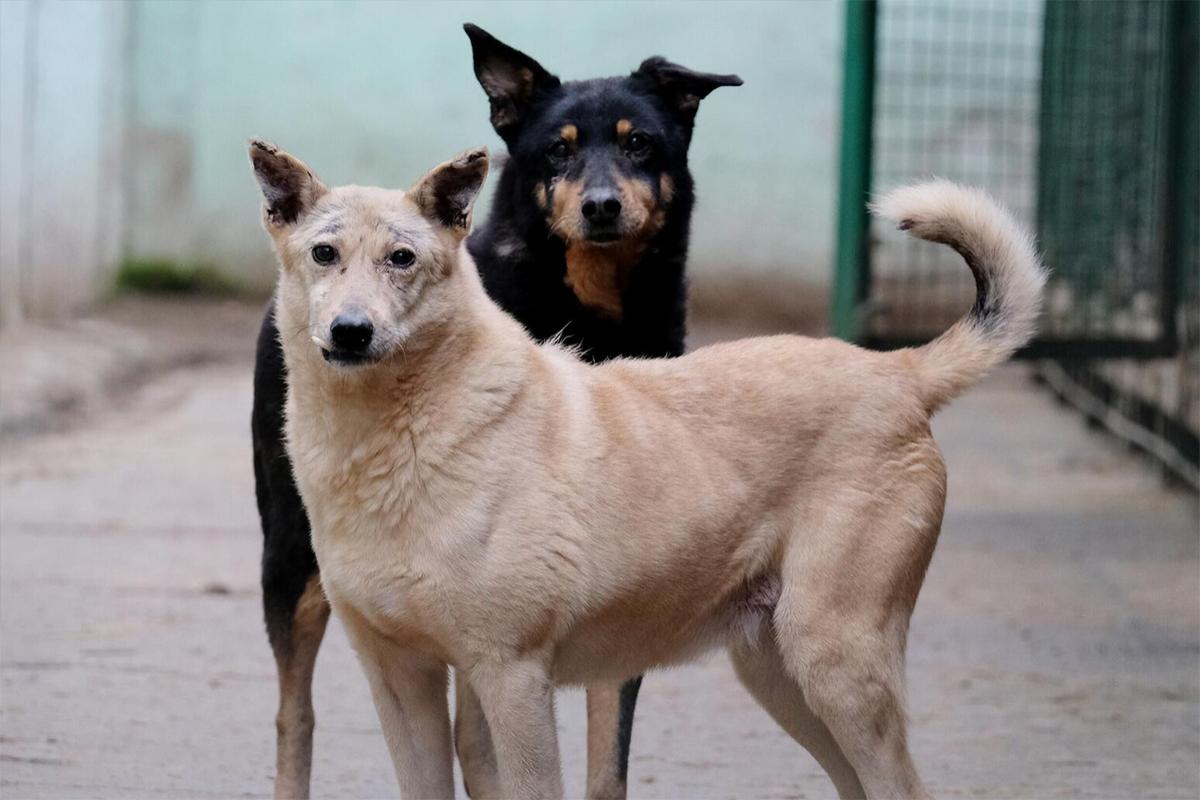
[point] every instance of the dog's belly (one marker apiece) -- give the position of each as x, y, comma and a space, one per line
622, 641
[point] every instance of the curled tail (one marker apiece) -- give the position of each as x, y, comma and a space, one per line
1008, 281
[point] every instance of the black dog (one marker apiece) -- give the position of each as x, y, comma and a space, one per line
586, 242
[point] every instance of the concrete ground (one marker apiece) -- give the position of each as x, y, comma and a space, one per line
1055, 651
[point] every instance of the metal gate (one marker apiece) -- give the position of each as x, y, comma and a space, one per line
1072, 114
1082, 118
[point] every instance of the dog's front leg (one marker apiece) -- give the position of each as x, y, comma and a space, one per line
473, 741
409, 690
518, 701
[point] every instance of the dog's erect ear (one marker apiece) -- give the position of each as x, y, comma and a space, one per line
510, 78
683, 88
448, 191
289, 187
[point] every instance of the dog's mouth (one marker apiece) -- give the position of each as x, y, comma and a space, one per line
347, 358
604, 236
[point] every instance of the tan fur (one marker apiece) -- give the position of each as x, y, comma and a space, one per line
569, 133
598, 273
566, 215
624, 128
999, 252
294, 722
481, 501
666, 189
646, 214
473, 743
603, 710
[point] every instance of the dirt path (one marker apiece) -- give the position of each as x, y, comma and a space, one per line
1054, 652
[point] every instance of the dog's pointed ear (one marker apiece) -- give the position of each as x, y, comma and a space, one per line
681, 87
447, 192
510, 79
289, 187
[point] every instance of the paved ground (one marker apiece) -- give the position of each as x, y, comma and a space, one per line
1054, 652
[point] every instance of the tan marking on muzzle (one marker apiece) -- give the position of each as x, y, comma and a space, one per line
566, 216
539, 194
598, 274
644, 214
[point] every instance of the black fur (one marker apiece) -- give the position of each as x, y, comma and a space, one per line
629, 695
523, 267
288, 559
529, 281
522, 263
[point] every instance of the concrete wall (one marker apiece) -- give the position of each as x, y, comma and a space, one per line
379, 92
61, 102
123, 124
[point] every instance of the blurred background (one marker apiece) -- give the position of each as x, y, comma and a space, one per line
135, 117
1056, 648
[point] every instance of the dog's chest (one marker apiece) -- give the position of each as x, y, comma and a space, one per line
387, 574
372, 524
398, 595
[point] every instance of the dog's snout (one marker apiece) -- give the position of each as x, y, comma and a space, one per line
351, 331
601, 205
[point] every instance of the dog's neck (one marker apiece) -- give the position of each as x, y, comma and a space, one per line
598, 275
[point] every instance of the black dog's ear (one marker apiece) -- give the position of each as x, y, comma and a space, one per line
288, 186
510, 78
447, 192
682, 87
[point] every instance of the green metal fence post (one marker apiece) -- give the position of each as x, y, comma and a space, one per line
1180, 163
852, 271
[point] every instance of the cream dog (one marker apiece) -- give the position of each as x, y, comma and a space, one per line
486, 503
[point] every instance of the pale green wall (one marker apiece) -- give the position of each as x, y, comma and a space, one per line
375, 92
61, 89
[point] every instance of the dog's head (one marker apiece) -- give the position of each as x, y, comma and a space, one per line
602, 155
364, 269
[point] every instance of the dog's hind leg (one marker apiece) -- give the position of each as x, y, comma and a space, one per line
294, 606
760, 668
295, 645
609, 729
849, 586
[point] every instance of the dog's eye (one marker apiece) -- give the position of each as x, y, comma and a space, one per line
402, 258
559, 150
324, 254
638, 143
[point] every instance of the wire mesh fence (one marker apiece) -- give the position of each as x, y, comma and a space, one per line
1101, 211
1081, 117
1119, 216
956, 97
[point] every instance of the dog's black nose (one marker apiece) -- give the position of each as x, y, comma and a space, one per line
601, 205
351, 331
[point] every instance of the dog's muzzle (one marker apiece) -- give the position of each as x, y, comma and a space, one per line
350, 338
